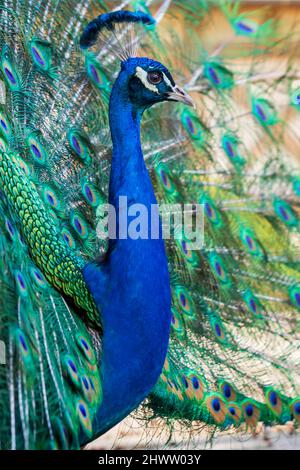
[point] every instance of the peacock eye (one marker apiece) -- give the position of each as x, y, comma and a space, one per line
155, 77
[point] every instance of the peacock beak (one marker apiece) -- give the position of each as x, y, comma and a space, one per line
178, 94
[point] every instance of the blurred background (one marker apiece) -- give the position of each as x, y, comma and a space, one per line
131, 433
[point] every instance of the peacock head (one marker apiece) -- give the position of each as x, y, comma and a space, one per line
149, 82
142, 81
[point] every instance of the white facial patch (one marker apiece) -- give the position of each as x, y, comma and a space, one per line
142, 75
167, 81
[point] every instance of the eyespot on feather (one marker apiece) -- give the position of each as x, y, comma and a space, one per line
85, 347
228, 391
219, 270
5, 127
285, 213
68, 238
36, 148
217, 408
184, 301
84, 417
234, 412
251, 412
80, 226
295, 409
10, 74
80, 145
41, 53
274, 401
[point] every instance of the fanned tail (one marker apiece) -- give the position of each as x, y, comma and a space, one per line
234, 352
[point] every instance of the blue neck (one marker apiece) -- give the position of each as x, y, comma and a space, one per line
131, 289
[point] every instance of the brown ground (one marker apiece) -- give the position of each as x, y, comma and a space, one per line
129, 435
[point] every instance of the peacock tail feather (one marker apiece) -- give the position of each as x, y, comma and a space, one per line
233, 357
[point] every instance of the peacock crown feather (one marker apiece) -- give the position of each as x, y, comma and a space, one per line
113, 32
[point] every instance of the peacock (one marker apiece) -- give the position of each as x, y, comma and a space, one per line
95, 325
